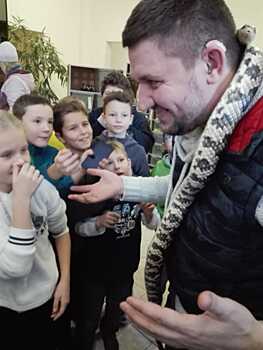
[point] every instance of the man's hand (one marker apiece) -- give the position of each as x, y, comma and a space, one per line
109, 186
224, 325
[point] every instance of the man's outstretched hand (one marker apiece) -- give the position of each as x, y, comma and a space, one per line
224, 324
110, 185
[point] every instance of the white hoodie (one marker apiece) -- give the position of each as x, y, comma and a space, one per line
16, 85
28, 268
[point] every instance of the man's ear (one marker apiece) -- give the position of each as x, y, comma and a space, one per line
131, 120
214, 58
58, 135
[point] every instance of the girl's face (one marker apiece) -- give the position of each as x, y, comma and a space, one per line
13, 150
118, 163
38, 124
76, 132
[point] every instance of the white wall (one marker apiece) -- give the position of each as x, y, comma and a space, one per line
249, 12
62, 22
88, 32
105, 23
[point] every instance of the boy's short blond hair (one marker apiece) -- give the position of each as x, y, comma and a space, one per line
118, 147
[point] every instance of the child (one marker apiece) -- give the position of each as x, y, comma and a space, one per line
139, 129
36, 115
117, 117
71, 125
108, 255
32, 295
72, 128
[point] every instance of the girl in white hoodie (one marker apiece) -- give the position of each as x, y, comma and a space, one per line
32, 294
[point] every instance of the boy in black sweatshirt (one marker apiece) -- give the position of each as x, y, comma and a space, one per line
108, 238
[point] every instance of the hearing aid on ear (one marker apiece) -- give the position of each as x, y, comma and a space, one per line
209, 68
215, 43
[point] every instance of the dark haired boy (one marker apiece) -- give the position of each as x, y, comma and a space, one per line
107, 238
139, 129
117, 117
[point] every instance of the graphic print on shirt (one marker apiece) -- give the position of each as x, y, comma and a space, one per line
40, 224
128, 214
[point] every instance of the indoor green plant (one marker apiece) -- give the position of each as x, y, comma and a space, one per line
37, 55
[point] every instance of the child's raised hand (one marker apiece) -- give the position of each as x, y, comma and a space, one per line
103, 164
107, 220
26, 179
66, 162
147, 209
87, 153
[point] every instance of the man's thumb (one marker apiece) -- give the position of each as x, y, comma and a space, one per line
214, 304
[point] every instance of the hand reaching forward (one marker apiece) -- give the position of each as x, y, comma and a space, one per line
109, 186
66, 162
224, 325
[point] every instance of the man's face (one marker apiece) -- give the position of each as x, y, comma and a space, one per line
178, 95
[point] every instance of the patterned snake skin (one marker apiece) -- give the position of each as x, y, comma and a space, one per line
244, 91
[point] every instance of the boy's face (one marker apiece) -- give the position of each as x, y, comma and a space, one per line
76, 131
15, 152
119, 164
117, 117
38, 124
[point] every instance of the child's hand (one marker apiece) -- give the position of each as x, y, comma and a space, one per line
147, 209
61, 299
67, 163
107, 220
103, 164
26, 179
87, 153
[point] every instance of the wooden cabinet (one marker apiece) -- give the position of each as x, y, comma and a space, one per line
85, 83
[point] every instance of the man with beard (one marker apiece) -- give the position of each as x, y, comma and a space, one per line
206, 88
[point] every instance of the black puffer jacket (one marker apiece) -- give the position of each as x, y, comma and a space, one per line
219, 245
